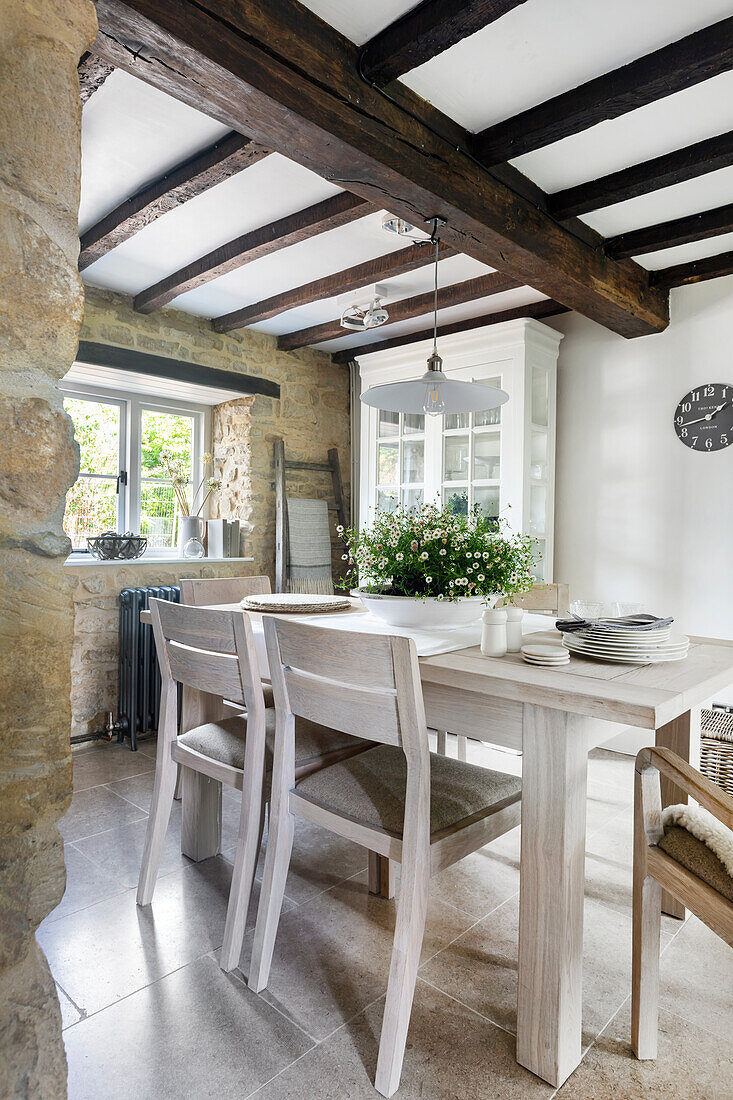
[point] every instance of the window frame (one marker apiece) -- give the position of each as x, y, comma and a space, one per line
132, 405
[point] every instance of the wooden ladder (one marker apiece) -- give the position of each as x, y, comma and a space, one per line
282, 467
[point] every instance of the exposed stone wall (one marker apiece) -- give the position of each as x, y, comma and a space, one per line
40, 312
95, 655
312, 414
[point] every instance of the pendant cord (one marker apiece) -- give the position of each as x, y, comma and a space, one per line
435, 307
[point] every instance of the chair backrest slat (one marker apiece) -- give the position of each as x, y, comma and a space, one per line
203, 591
542, 597
361, 659
346, 707
199, 628
215, 673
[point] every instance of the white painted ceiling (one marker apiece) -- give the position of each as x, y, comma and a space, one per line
132, 134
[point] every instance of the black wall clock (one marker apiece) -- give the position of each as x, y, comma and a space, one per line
704, 417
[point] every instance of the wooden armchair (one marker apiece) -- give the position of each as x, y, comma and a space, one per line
655, 870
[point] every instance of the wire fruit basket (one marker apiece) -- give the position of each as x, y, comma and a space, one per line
716, 746
110, 546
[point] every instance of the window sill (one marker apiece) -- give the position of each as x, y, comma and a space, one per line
88, 561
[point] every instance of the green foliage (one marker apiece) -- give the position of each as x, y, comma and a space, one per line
440, 552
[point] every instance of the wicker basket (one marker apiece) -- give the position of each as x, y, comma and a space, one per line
716, 747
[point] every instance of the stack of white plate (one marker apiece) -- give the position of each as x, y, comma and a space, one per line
549, 656
631, 647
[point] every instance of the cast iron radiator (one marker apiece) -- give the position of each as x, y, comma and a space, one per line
139, 672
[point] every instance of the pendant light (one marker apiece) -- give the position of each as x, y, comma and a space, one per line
433, 393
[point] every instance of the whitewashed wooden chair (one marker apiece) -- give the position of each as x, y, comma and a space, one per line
553, 598
681, 864
213, 652
397, 799
202, 592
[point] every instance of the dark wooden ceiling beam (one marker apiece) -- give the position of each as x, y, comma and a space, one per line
226, 158
93, 72
641, 179
693, 227
274, 70
423, 32
342, 282
696, 271
458, 294
545, 308
698, 57
338, 210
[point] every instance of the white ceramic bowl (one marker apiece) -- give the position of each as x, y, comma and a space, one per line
424, 614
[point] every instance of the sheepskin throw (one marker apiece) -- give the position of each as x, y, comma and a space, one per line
701, 843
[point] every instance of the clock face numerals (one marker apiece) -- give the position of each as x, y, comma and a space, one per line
704, 417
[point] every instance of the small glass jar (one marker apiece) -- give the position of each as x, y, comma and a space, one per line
493, 632
193, 549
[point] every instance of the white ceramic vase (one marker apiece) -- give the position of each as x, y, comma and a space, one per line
425, 613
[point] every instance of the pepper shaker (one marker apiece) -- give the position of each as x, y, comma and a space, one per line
514, 616
493, 632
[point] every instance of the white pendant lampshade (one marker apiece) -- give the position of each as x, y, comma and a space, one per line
433, 393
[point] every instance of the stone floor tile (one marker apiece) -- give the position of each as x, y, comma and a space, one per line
114, 948
451, 1054
108, 763
480, 968
483, 880
86, 883
696, 979
195, 1033
95, 810
320, 860
332, 953
691, 1064
119, 851
137, 789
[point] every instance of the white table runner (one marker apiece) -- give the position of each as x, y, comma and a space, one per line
427, 643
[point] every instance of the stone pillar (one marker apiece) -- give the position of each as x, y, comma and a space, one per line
41, 304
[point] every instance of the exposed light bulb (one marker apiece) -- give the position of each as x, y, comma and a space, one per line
433, 404
433, 378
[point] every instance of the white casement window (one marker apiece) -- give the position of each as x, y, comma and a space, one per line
123, 483
502, 460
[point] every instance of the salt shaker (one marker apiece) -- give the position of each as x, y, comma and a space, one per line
493, 633
514, 616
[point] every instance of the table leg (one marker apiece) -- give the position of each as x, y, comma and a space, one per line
201, 803
549, 1000
682, 736
381, 875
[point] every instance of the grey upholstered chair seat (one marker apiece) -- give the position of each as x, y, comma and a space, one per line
370, 788
686, 849
225, 740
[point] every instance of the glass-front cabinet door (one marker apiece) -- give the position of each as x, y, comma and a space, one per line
501, 460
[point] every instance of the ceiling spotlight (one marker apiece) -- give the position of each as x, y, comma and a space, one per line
398, 226
363, 317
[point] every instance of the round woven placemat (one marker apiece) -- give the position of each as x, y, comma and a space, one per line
296, 603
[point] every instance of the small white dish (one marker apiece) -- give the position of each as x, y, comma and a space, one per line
534, 650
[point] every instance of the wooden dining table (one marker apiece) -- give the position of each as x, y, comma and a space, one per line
554, 717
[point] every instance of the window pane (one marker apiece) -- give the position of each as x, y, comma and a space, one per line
486, 456
172, 434
162, 432
487, 498
158, 515
455, 458
537, 509
538, 467
538, 569
97, 431
386, 500
413, 461
389, 424
488, 416
387, 463
412, 423
456, 420
91, 509
412, 498
456, 500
